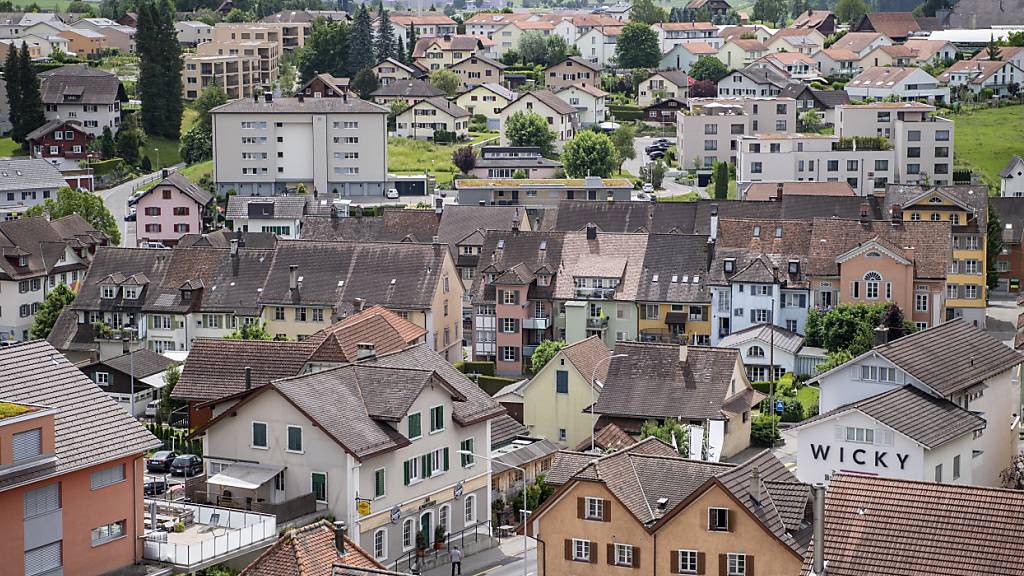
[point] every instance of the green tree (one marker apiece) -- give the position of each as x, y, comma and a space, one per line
557, 50
721, 180
851, 327
129, 140
533, 47
171, 377
810, 121
993, 248
85, 204
386, 46
764, 430
850, 11
446, 81
648, 12
670, 432
159, 85
545, 351
235, 16
196, 145
107, 148
250, 332
325, 49
798, 7
365, 83
708, 68
623, 140
464, 158
49, 310
638, 46
360, 47
208, 99
13, 80
525, 128
510, 57
834, 359
773, 11
992, 50
589, 153
30, 106
410, 48
653, 172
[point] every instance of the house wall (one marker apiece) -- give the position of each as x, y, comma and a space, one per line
694, 328
901, 277
166, 221
48, 146
482, 101
677, 59
658, 88
564, 126
92, 121
444, 319
474, 71
546, 412
421, 120
998, 404
388, 73
596, 47
567, 73
83, 45
504, 339
592, 109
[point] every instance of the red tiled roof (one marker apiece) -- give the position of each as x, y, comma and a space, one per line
309, 551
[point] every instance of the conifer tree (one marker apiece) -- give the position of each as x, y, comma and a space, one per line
360, 43
30, 108
386, 44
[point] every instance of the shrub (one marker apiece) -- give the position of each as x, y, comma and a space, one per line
764, 430
474, 367
792, 410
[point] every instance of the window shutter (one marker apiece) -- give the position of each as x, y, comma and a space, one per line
611, 553
710, 519
700, 563
752, 315
27, 444
636, 557
406, 472
425, 463
446, 459
674, 566
782, 301
568, 549
723, 565
749, 565
730, 519
803, 300
581, 507
593, 552
607, 509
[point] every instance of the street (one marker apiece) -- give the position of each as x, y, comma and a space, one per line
505, 559
116, 200
669, 185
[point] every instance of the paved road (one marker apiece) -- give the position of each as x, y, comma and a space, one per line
1001, 321
116, 200
505, 559
669, 186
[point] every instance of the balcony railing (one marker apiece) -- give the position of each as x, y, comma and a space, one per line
596, 293
536, 323
211, 534
597, 323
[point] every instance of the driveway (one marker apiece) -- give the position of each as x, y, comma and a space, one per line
1001, 317
116, 200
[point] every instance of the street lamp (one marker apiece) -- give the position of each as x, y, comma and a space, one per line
157, 150
593, 399
524, 510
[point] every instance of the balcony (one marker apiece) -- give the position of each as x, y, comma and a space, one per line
529, 349
597, 323
536, 323
595, 293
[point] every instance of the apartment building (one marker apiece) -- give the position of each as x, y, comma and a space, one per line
978, 75
267, 55
598, 44
709, 131
672, 34
403, 456
425, 24
175, 206
237, 74
487, 99
118, 36
541, 193
278, 215
72, 465
192, 32
88, 95
921, 140
335, 146
84, 42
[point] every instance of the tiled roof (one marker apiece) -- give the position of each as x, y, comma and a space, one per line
951, 356
565, 465
841, 54
698, 48
349, 105
420, 18
128, 262
504, 429
856, 41
973, 198
832, 237
1011, 213
977, 70
609, 255
770, 190
29, 174
68, 335
652, 382
273, 207
43, 242
186, 186
924, 48
677, 77
90, 427
883, 76
447, 106
215, 367
749, 44
515, 248
811, 18
222, 239
459, 221
141, 363
878, 526
523, 455
308, 551
895, 25
87, 84
779, 510
587, 355
577, 61
784, 339
765, 75
674, 269
1007, 172
457, 42
549, 98
611, 437
383, 328
393, 225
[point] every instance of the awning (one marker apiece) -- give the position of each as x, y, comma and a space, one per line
675, 318
245, 476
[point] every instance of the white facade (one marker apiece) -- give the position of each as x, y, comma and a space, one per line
597, 47
917, 85
1012, 178
21, 299
192, 32
708, 132
592, 109
92, 116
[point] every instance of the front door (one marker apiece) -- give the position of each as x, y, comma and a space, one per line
425, 527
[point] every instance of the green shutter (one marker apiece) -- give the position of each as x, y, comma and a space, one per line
425, 470
446, 458
407, 471
414, 425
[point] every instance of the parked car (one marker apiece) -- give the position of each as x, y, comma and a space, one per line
154, 486
156, 245
664, 141
187, 465
656, 155
648, 188
392, 193
130, 217
135, 197
151, 408
161, 461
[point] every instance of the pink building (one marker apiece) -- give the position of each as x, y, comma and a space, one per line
171, 209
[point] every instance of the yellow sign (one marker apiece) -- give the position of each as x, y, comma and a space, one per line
363, 507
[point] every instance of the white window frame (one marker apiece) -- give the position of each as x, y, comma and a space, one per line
726, 525
687, 558
326, 485
380, 547
287, 440
593, 509
860, 435
469, 514
107, 533
103, 378
736, 564
408, 534
252, 435
623, 554
581, 550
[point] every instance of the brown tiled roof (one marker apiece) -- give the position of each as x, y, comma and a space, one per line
383, 328
44, 243
895, 25
536, 450
215, 367
394, 225
549, 98
790, 499
841, 54
978, 70
222, 239
677, 77
884, 527
777, 510
89, 85
90, 427
588, 354
951, 356
111, 260
1005, 52
856, 41
885, 76
186, 186
749, 44
811, 18
516, 248
770, 190
505, 429
459, 221
447, 106
651, 382
68, 335
674, 269
577, 61
832, 237
609, 438
308, 551
924, 48
420, 18
457, 42
609, 255
141, 363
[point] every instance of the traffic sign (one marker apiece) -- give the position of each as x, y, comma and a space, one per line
779, 405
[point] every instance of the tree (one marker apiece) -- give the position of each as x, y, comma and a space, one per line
208, 99
708, 68
159, 85
647, 11
1015, 38
834, 359
49, 310
670, 432
464, 159
360, 42
386, 46
623, 140
510, 57
773, 11
325, 49
129, 140
446, 81
30, 100
196, 144
107, 149
525, 128
171, 377
850, 327
703, 89
250, 332
798, 7
849, 11
85, 204
993, 248
589, 153
557, 50
13, 78
533, 47
410, 49
764, 430
721, 180
545, 351
810, 121
365, 83
653, 172
638, 46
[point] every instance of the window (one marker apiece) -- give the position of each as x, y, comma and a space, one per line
736, 565
152, 211
780, 125
379, 487
921, 301
106, 476
295, 439
861, 435
792, 325
443, 518
509, 325
318, 485
42, 500
467, 445
594, 509
718, 519
623, 555
971, 291
102, 378
380, 544
942, 135
833, 166
509, 353
561, 382
687, 561
181, 228
755, 167
878, 373
938, 472
106, 292
780, 108
259, 435
181, 210
562, 434
470, 515
131, 292
755, 352
414, 426
300, 314
759, 316
43, 560
408, 534
711, 145
26, 445
107, 532
956, 467
871, 282
580, 550
318, 314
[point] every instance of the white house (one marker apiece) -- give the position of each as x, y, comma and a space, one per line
760, 349
683, 56
753, 82
1012, 178
953, 360
598, 45
901, 82
427, 116
563, 119
591, 102
663, 85
978, 75
280, 215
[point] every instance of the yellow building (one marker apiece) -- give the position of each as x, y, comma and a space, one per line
554, 400
687, 323
966, 208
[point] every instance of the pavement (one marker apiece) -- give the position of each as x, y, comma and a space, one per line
1001, 317
505, 559
669, 186
116, 200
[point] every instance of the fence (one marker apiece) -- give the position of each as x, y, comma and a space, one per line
414, 563
240, 530
282, 511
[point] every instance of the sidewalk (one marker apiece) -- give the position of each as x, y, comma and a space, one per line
510, 550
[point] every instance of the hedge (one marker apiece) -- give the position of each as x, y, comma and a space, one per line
102, 167
471, 367
626, 113
491, 384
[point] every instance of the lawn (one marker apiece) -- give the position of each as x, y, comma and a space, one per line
10, 148
168, 151
408, 156
986, 139
688, 197
808, 398
196, 172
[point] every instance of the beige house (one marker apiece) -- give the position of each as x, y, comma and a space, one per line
478, 69
391, 70
663, 85
117, 36
487, 99
737, 52
802, 40
430, 115
508, 36
572, 70
436, 52
591, 103
563, 119
266, 52
708, 131
84, 42
237, 74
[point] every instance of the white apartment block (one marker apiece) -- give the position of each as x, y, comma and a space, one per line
708, 131
336, 146
922, 142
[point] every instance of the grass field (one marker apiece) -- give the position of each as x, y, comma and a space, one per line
196, 172
808, 398
10, 148
986, 139
168, 151
407, 156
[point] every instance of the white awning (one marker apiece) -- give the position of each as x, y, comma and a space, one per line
245, 476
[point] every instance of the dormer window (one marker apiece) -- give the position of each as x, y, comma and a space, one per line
131, 292
794, 266
22, 261
730, 265
543, 280
108, 292
186, 295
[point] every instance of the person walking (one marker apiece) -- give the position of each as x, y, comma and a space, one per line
456, 561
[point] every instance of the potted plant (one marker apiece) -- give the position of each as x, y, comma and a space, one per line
421, 543
439, 537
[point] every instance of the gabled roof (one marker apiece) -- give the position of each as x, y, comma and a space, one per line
676, 77
609, 255
504, 249
841, 54
895, 25
90, 427
413, 70
784, 339
453, 43
674, 269
445, 105
587, 355
765, 75
549, 99
43, 243
578, 61
185, 186
832, 237
857, 41
407, 88
19, 174
697, 48
334, 84
1007, 172
609, 438
52, 125
977, 70
309, 551
811, 18
140, 363
259, 207
90, 85
393, 225
504, 429
484, 59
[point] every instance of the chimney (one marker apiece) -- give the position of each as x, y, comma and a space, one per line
778, 191
365, 350
865, 213
358, 304
591, 232
881, 335
755, 485
248, 378
683, 353
438, 205
818, 564
344, 96
515, 227
897, 214
268, 96
339, 537
301, 97
234, 248
713, 228
293, 277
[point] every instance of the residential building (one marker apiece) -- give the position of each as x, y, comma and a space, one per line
423, 120
898, 83
266, 53
426, 24
534, 455
897, 26
805, 41
400, 454
436, 52
590, 102
609, 516
541, 193
598, 45
84, 42
502, 162
408, 91
572, 71
754, 81
192, 32
508, 36
683, 56
937, 361
756, 31
477, 69
1010, 261
740, 52
761, 191
929, 52
862, 43
263, 146
83, 93
672, 34
70, 497
237, 74
562, 117
26, 182
295, 26
796, 66
1012, 178
1012, 54
487, 23
886, 55
769, 351
823, 21
278, 215
709, 131
823, 102
324, 85
391, 70
487, 99
60, 139
118, 36
978, 75
664, 111
915, 515
172, 208
672, 296
38, 255
663, 85
321, 548
133, 379
838, 62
